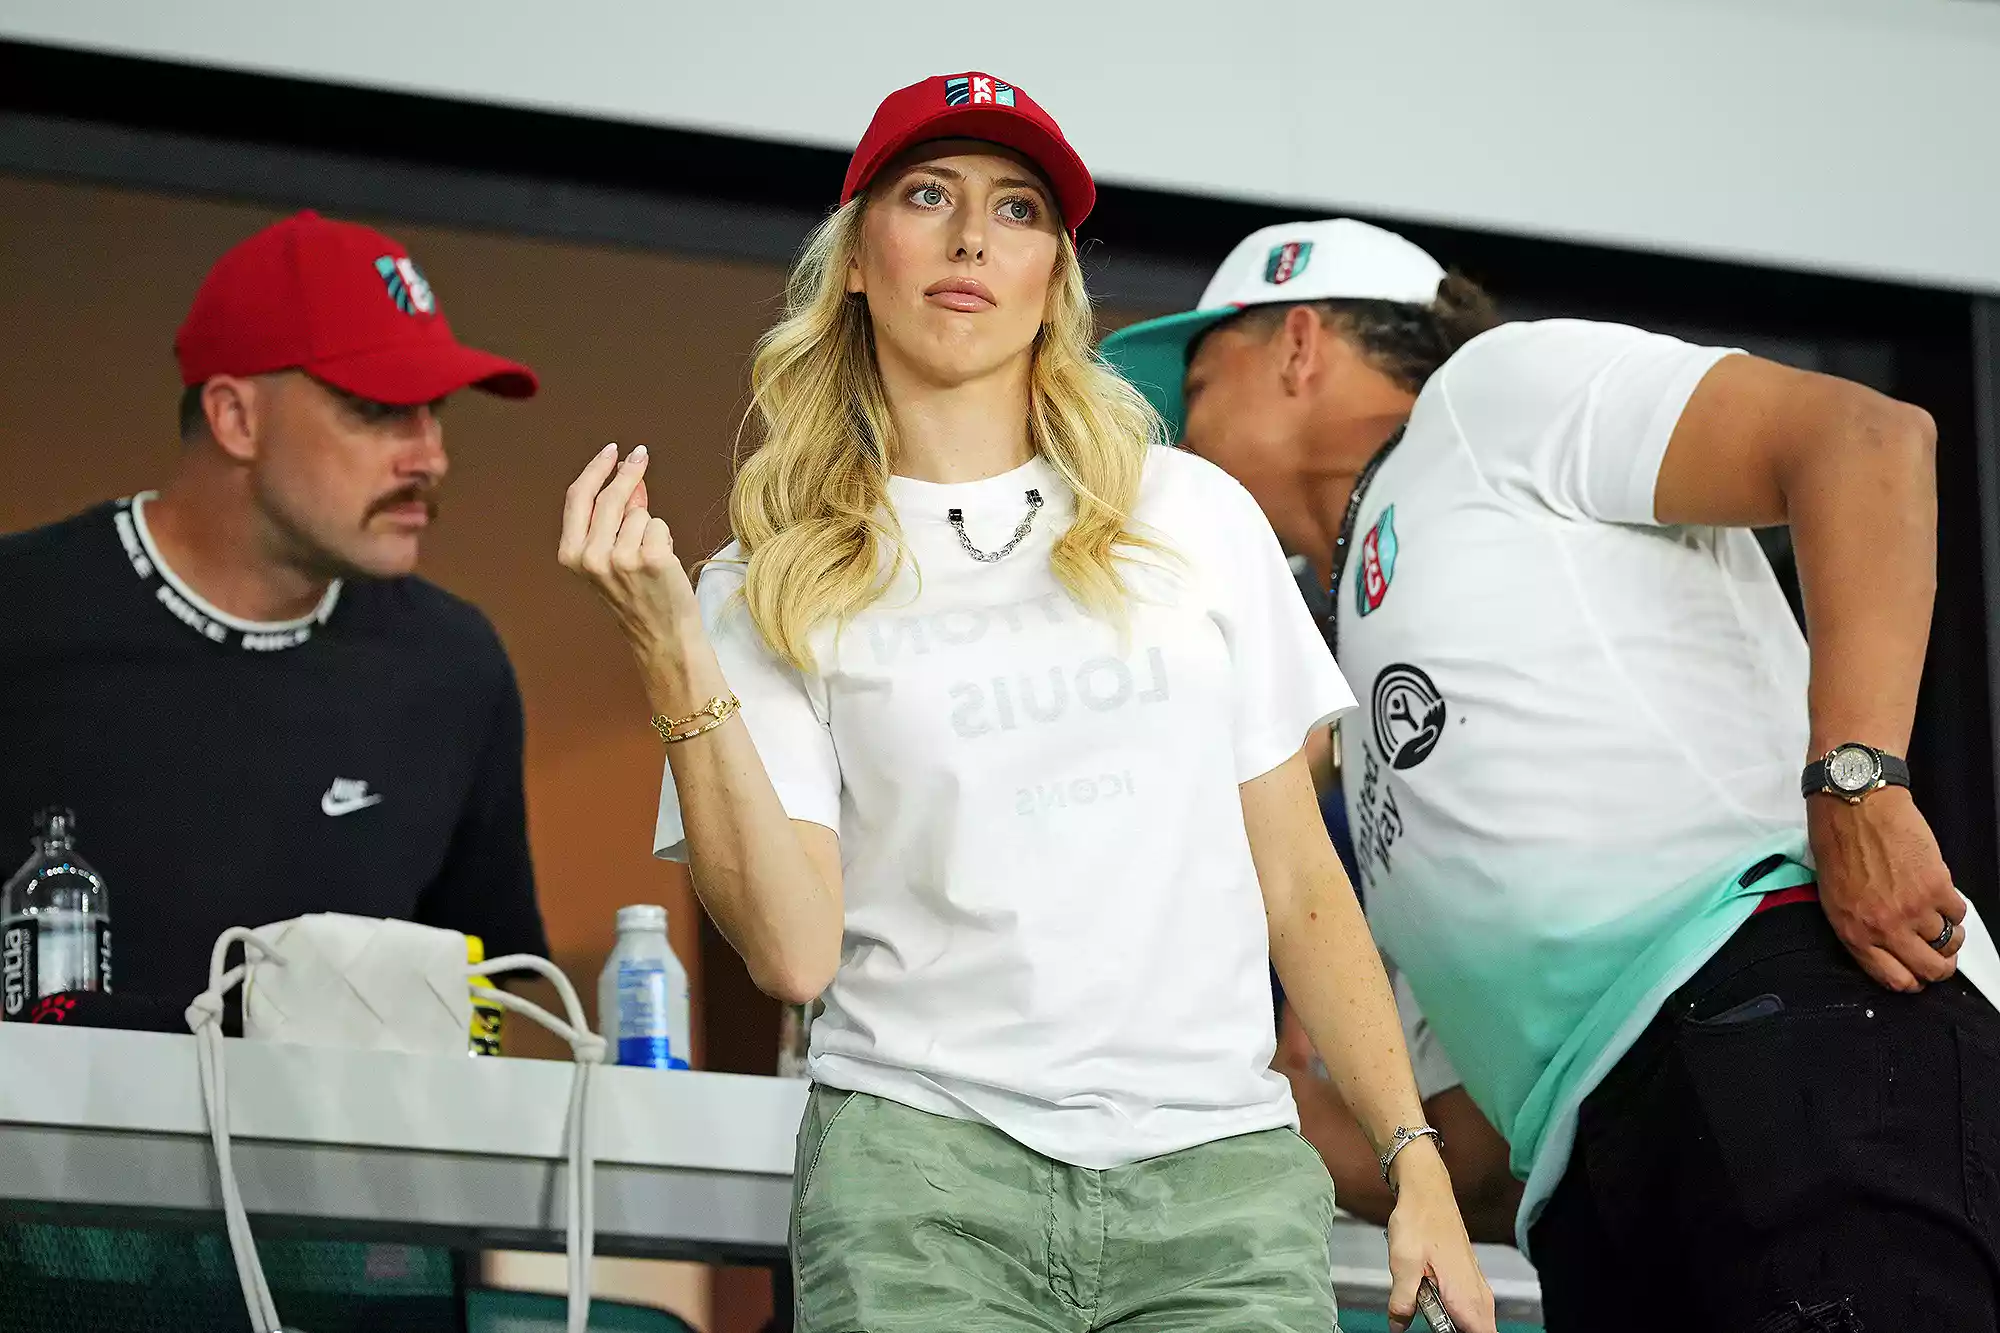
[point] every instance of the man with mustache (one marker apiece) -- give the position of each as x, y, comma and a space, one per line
236, 682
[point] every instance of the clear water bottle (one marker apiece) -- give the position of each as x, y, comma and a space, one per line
55, 922
642, 997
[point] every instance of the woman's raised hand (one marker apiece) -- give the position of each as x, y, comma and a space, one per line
627, 555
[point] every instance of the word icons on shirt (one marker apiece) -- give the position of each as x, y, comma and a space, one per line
347, 795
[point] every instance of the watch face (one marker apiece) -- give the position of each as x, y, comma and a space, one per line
1853, 768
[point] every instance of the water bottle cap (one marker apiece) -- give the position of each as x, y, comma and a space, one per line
644, 916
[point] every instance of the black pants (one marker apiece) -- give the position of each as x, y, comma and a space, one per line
1787, 1147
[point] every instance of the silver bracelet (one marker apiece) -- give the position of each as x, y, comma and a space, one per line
1404, 1137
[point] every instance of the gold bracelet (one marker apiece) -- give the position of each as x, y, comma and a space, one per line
717, 711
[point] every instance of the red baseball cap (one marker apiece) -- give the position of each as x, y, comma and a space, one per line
973, 106
341, 302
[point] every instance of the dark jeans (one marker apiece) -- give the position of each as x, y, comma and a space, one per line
1787, 1147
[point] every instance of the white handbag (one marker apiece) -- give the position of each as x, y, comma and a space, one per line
360, 982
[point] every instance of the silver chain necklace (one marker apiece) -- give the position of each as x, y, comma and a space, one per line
957, 519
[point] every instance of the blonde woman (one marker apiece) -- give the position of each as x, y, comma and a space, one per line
986, 730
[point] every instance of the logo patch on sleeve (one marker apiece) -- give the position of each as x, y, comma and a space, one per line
1378, 563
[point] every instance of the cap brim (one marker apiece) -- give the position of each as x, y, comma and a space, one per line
408, 375
1153, 357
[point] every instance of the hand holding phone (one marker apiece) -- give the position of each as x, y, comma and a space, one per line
1431, 1306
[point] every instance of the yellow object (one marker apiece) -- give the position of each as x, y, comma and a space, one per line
487, 1013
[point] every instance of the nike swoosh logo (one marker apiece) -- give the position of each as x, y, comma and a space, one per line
338, 806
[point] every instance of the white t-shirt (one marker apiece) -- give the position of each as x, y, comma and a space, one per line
1575, 722
1053, 924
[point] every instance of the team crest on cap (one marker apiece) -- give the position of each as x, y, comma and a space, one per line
1287, 261
406, 285
977, 90
1378, 563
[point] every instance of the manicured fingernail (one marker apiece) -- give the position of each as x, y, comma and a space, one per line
611, 448
637, 455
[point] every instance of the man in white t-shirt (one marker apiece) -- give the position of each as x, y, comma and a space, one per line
1719, 1024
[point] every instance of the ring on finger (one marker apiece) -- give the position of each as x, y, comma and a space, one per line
1943, 941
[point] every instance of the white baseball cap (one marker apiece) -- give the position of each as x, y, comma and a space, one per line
1337, 259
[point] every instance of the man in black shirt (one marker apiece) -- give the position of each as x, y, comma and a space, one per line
253, 707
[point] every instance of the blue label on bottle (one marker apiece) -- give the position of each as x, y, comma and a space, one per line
649, 1053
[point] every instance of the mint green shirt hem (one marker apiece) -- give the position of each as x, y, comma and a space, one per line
1544, 1130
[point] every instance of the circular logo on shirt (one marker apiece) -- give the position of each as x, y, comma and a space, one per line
1409, 715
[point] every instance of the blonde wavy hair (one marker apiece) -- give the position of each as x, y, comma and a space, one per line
808, 507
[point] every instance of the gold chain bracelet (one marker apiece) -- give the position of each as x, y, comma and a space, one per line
716, 712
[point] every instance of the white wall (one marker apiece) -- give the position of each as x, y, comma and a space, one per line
1850, 136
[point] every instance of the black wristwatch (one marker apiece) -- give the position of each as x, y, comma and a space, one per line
1853, 770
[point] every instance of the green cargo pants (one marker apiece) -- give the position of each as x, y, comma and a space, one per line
906, 1222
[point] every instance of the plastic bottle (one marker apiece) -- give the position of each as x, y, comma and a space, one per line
642, 996
55, 922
